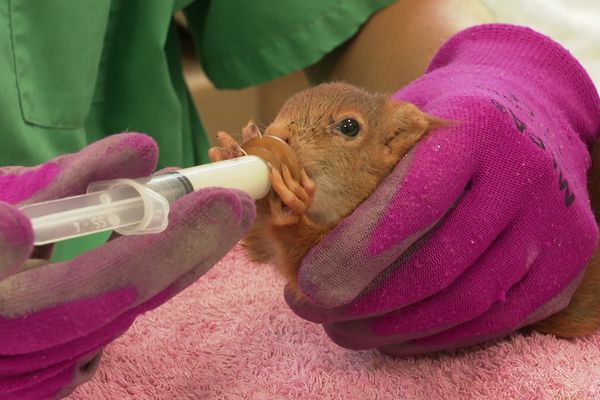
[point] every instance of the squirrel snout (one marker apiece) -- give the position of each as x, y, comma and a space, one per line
281, 135
279, 131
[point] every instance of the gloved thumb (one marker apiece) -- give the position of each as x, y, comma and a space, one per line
16, 240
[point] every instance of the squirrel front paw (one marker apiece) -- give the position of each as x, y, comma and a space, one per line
230, 148
291, 199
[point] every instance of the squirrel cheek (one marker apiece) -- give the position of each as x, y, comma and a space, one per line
322, 208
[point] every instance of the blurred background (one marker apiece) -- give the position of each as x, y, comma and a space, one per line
573, 23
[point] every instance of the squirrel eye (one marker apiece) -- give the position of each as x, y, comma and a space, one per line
348, 127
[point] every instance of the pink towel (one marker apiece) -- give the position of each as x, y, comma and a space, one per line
231, 336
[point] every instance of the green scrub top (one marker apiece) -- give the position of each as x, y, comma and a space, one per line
75, 71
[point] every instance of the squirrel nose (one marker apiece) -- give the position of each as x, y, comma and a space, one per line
280, 132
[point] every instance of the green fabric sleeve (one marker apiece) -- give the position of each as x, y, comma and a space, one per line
246, 42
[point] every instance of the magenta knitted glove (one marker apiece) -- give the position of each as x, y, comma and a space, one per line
486, 226
55, 319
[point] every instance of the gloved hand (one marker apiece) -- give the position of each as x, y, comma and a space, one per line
55, 319
486, 226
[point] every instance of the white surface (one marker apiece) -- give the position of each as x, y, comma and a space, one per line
573, 23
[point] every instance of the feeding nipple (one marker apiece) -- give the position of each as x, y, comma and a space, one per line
276, 152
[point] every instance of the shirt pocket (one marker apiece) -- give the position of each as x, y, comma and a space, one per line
57, 46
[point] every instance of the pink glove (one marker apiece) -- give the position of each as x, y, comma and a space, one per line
486, 226
55, 319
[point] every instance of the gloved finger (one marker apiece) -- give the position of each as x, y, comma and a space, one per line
407, 204
57, 381
483, 284
36, 385
84, 370
16, 240
520, 309
230, 233
123, 273
127, 155
360, 335
51, 353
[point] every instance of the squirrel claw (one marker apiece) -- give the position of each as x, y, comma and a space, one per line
279, 216
250, 131
291, 193
229, 148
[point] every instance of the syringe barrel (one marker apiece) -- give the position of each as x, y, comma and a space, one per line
249, 174
171, 185
85, 214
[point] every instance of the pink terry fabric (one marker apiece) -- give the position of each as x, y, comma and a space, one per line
231, 336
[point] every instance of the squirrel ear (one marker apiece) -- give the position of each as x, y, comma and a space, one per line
409, 125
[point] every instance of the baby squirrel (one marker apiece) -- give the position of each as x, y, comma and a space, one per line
332, 128
354, 124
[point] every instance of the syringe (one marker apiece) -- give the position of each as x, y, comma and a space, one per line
141, 206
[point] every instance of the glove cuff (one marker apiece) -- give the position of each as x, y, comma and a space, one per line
522, 55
